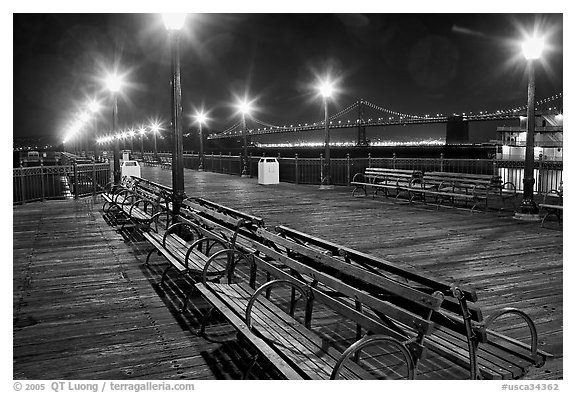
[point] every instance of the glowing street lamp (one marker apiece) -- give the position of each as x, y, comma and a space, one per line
173, 23
142, 132
201, 119
131, 134
155, 128
528, 210
113, 84
244, 108
326, 90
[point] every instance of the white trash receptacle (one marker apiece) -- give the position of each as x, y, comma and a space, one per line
130, 168
268, 171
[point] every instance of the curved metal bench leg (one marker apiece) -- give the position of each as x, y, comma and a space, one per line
165, 274
205, 319
187, 299
248, 371
150, 254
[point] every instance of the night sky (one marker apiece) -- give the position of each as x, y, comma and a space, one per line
409, 63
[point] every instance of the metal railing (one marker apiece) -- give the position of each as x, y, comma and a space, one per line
59, 181
548, 174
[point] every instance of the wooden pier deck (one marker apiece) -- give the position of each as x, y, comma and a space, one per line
86, 308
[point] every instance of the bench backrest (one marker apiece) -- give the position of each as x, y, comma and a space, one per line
392, 175
463, 179
451, 314
259, 221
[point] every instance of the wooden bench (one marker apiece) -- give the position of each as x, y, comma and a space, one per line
188, 245
290, 346
461, 333
385, 179
552, 205
137, 201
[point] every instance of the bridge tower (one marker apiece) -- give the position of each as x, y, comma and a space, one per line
361, 127
457, 131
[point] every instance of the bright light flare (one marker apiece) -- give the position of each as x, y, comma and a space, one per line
533, 47
244, 107
114, 83
174, 21
326, 89
201, 118
94, 106
155, 127
142, 130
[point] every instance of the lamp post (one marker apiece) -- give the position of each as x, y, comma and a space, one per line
142, 131
326, 90
94, 107
155, 128
113, 83
173, 23
528, 210
83, 137
131, 134
201, 118
244, 110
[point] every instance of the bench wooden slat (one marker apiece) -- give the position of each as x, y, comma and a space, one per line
305, 350
370, 260
384, 283
239, 324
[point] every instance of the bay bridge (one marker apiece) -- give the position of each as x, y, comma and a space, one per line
363, 113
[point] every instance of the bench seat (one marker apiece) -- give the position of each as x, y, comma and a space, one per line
301, 349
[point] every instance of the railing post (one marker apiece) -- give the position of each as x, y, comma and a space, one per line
369, 160
75, 179
393, 160
241, 161
494, 167
230, 163
321, 167
441, 162
94, 177
22, 183
539, 188
220, 159
42, 186
250, 164
348, 169
296, 169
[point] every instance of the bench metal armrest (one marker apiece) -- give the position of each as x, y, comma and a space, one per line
370, 340
209, 246
513, 187
156, 216
172, 228
555, 193
301, 288
359, 177
230, 264
538, 357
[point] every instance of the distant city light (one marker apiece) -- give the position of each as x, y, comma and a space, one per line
425, 142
